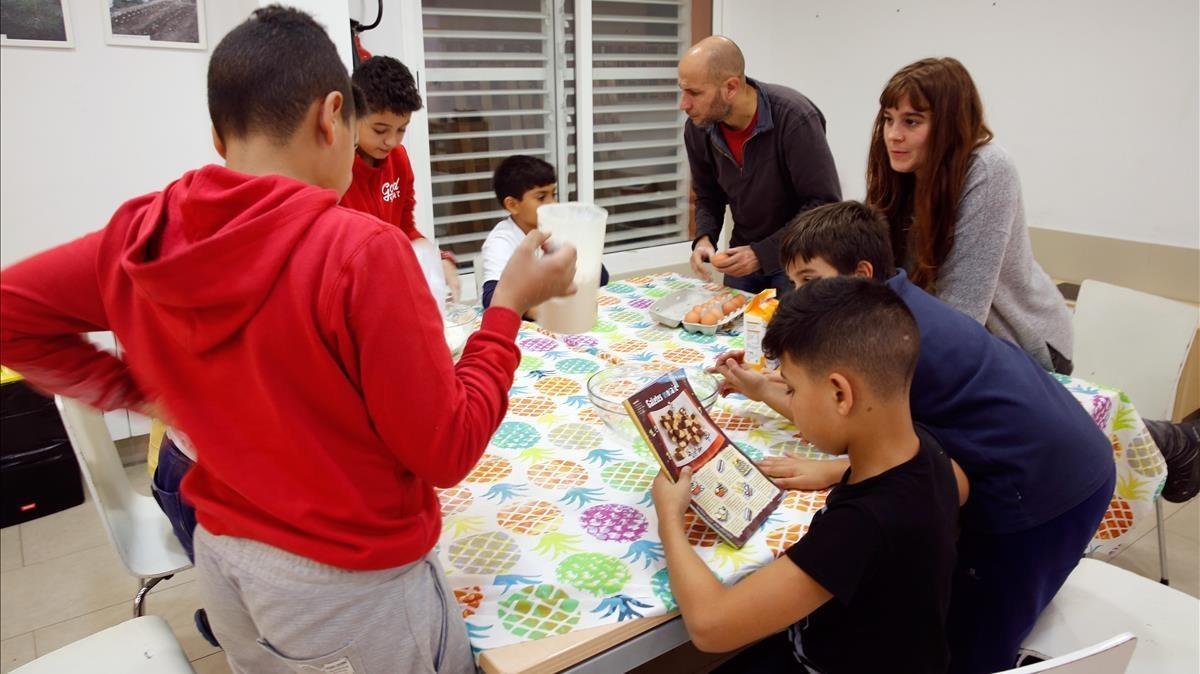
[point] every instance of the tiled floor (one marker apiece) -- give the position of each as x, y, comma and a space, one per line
60, 580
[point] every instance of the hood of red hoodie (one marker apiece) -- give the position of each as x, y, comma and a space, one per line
207, 251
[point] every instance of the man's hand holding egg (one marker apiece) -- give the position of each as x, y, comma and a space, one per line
737, 261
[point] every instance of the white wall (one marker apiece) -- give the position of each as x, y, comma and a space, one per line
84, 129
1096, 100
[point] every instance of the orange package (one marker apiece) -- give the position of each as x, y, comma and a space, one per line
758, 315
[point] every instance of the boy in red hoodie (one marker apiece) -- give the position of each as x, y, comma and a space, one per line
296, 344
383, 175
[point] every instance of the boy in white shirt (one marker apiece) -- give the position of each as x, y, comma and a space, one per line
522, 183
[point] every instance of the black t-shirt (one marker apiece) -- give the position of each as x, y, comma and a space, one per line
885, 549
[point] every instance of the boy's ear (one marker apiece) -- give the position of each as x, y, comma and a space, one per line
864, 269
330, 115
218, 144
511, 204
843, 393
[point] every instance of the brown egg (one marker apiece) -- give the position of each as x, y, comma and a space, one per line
720, 259
740, 299
692, 316
730, 306
711, 317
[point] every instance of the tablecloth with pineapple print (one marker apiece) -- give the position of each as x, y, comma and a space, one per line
555, 531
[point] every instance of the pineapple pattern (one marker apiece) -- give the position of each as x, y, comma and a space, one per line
553, 530
594, 573
779, 540
558, 386
469, 599
577, 366
614, 522
684, 356
530, 406
455, 500
1116, 521
537, 611
628, 346
733, 422
576, 436
530, 518
804, 501
630, 476
490, 469
537, 344
557, 474
490, 553
660, 585
699, 534
1143, 456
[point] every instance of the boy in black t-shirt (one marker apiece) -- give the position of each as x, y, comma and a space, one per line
867, 588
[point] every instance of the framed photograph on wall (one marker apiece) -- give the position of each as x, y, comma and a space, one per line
35, 23
178, 24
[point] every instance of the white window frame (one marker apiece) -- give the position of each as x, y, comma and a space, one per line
627, 262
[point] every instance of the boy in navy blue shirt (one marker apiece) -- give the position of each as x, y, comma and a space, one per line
1041, 472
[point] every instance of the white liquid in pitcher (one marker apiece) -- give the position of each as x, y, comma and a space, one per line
574, 314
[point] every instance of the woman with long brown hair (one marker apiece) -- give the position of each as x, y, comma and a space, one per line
953, 201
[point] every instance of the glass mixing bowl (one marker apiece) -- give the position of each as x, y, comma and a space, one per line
608, 389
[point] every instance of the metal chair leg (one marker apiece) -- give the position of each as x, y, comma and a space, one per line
139, 600
1162, 541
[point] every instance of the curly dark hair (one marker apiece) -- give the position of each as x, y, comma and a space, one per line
387, 84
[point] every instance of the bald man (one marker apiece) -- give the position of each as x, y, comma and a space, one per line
758, 148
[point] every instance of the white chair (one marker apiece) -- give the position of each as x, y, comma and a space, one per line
1139, 343
1100, 599
1107, 657
143, 645
135, 524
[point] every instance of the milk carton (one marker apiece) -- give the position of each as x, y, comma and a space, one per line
756, 318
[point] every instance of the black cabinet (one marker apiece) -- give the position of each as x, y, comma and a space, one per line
38, 471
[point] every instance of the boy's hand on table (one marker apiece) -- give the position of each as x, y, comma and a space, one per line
789, 472
529, 279
671, 499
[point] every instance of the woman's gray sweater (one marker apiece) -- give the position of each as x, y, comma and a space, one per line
990, 273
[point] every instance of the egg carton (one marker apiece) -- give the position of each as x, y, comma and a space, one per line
670, 310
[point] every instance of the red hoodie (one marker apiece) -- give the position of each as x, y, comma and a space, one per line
385, 191
293, 341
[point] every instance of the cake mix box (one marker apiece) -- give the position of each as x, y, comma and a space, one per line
729, 492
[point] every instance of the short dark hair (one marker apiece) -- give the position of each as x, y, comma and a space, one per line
849, 322
520, 173
842, 234
387, 85
266, 73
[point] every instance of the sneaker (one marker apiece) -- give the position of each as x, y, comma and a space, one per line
200, 617
1180, 447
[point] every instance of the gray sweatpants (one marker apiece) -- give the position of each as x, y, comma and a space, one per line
274, 611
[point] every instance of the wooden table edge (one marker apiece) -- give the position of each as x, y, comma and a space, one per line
554, 654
